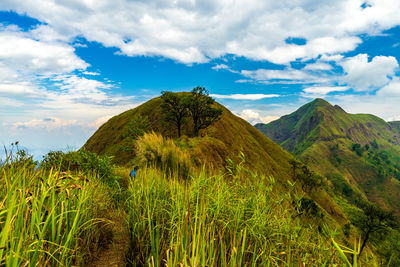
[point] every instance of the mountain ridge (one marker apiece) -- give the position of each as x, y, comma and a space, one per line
362, 149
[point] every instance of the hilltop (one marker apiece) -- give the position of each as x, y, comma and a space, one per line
225, 139
359, 151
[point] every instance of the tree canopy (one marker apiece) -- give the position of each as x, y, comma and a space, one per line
175, 109
199, 105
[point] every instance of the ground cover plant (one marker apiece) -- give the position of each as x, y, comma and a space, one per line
49, 216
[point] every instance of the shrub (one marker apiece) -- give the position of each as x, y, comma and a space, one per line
154, 150
84, 161
340, 184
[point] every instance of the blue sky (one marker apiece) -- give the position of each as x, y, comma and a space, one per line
66, 67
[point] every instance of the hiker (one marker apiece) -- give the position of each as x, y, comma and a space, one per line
133, 172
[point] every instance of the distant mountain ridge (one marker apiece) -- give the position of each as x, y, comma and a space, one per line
361, 149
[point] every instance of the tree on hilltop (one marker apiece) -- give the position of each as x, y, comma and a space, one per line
199, 105
175, 109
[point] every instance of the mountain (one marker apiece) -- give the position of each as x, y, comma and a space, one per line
225, 139
359, 153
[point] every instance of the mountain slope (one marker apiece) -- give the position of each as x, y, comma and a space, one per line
224, 139
360, 149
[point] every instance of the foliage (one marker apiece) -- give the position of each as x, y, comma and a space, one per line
199, 104
154, 150
357, 148
175, 109
80, 161
136, 127
213, 221
307, 206
49, 218
236, 170
17, 156
373, 221
309, 180
340, 184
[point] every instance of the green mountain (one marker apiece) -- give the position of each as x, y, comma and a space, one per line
359, 153
223, 140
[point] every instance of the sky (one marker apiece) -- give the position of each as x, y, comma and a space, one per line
67, 66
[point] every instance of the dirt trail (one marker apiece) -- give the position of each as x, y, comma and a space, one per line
114, 254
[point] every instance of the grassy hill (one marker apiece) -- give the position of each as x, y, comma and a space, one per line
360, 151
225, 139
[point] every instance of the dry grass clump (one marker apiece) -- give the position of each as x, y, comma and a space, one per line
153, 149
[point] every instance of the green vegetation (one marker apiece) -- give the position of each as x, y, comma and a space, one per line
225, 196
48, 216
198, 105
156, 151
175, 109
219, 141
363, 149
373, 221
219, 220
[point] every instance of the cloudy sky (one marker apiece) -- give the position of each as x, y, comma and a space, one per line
66, 66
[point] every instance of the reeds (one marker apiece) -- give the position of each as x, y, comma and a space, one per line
215, 221
47, 218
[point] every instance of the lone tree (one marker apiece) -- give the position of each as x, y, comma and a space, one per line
373, 222
175, 109
199, 105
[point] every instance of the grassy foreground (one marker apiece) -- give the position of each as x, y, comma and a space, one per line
234, 218
215, 220
48, 217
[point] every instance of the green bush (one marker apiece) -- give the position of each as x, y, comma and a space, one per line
83, 161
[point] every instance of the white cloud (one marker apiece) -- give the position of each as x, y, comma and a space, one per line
321, 91
19, 51
91, 73
253, 116
391, 90
100, 121
287, 76
318, 66
197, 31
221, 67
367, 76
383, 106
48, 123
245, 96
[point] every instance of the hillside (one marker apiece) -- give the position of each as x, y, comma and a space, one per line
225, 139
360, 150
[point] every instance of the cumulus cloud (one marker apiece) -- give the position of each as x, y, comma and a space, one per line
245, 96
40, 74
364, 75
253, 116
392, 89
197, 31
322, 91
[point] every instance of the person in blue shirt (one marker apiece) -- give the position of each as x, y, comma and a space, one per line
133, 172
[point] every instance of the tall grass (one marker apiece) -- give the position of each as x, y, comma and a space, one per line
47, 217
154, 150
221, 221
